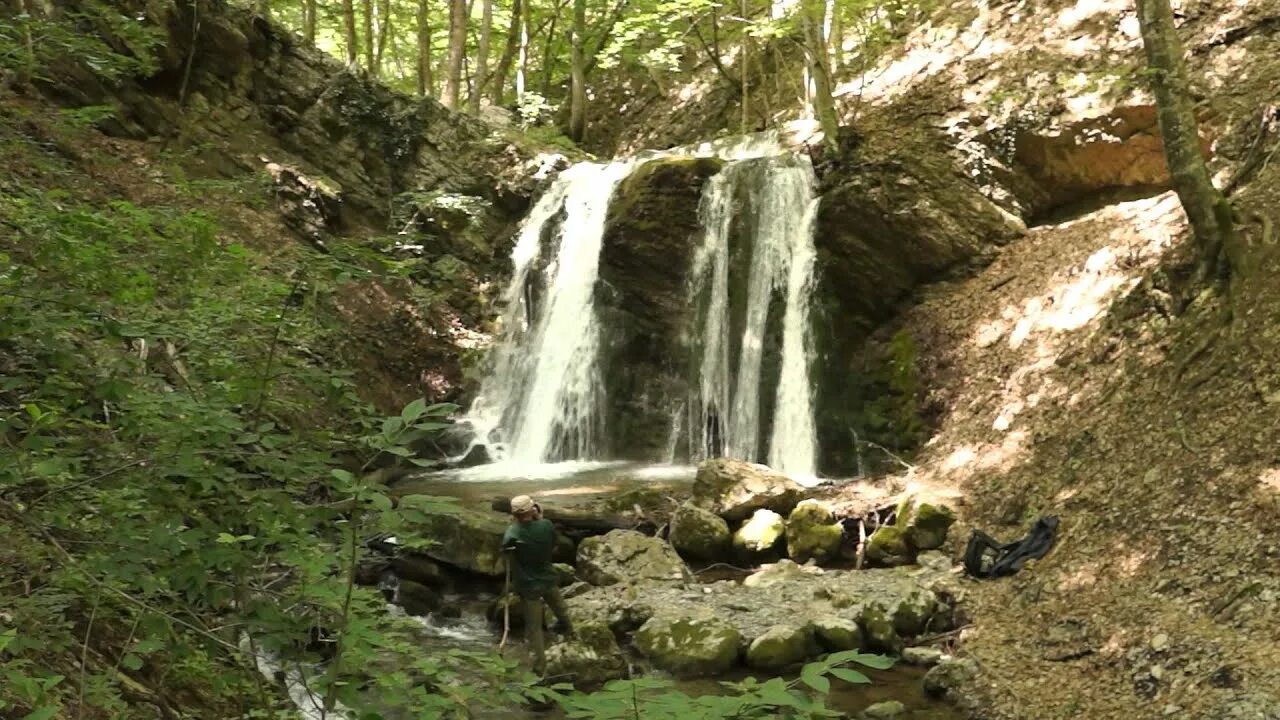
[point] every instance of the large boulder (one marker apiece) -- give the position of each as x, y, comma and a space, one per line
734, 489
781, 646
464, 538
689, 646
626, 556
812, 533
878, 631
699, 534
760, 539
950, 676
419, 569
589, 659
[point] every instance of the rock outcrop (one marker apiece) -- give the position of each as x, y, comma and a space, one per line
589, 659
734, 489
781, 646
464, 538
626, 556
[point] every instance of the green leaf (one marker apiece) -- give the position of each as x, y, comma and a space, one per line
7, 637
850, 676
391, 426
816, 680
380, 501
132, 662
413, 411
43, 713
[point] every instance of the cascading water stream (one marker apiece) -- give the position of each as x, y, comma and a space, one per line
543, 400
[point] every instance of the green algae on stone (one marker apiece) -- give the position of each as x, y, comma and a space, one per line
912, 616
878, 631
836, 634
888, 546
928, 526
762, 538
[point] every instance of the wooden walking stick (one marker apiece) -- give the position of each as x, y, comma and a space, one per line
506, 609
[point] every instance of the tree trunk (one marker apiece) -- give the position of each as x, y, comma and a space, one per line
424, 49
824, 104
745, 55
522, 55
366, 10
835, 36
499, 80
578, 74
1208, 211
309, 21
263, 8
384, 30
482, 55
349, 28
547, 54
457, 49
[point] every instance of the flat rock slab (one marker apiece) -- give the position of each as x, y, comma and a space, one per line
782, 594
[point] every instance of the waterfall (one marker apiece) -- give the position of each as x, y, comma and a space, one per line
542, 402
726, 418
751, 274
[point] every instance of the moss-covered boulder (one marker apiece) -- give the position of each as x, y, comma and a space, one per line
689, 646
780, 573
878, 631
699, 534
928, 525
589, 659
836, 634
761, 538
734, 489
911, 617
465, 538
888, 546
626, 556
781, 646
812, 533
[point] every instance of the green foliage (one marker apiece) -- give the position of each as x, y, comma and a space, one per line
32, 46
658, 699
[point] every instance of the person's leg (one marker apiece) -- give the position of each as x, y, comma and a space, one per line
533, 630
556, 602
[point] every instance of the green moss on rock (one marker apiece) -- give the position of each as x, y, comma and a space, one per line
688, 646
762, 538
927, 529
812, 533
781, 646
699, 534
878, 631
888, 546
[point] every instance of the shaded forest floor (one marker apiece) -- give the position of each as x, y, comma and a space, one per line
1077, 387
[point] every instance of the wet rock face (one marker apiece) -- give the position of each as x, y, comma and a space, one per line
626, 556
734, 489
650, 235
689, 646
897, 213
463, 538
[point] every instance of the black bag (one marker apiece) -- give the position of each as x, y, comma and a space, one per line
985, 557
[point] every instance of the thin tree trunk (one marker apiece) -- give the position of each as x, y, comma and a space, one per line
835, 36
263, 8
499, 80
1208, 211
547, 55
457, 49
482, 55
424, 49
366, 10
745, 53
349, 28
522, 55
384, 30
578, 74
309, 21
824, 104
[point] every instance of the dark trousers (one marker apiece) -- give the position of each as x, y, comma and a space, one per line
532, 601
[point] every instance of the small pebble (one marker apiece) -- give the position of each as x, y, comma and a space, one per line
1160, 642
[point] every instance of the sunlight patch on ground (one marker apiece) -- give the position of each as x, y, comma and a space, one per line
1270, 478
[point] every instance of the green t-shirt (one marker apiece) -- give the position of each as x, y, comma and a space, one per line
534, 541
